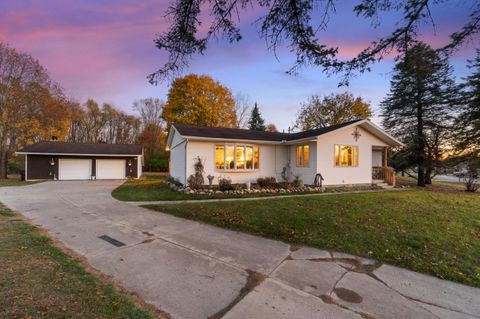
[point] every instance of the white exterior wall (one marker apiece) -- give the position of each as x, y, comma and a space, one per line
334, 175
272, 160
177, 158
307, 174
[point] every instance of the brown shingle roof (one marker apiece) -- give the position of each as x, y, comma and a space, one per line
242, 134
83, 148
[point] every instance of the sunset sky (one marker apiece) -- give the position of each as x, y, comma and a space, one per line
103, 49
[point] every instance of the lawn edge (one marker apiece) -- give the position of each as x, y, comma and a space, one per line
103, 278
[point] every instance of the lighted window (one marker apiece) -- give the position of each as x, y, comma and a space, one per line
237, 157
346, 155
303, 155
220, 156
230, 157
240, 156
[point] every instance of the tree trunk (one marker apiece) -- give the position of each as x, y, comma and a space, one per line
428, 176
3, 164
420, 151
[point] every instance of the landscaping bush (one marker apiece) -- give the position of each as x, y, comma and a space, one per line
267, 182
225, 184
156, 163
285, 185
174, 181
196, 180
239, 187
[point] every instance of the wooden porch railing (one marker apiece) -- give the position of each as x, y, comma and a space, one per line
384, 173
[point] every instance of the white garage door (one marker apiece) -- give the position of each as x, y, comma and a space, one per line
110, 169
74, 169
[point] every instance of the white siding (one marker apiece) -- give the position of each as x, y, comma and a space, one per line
307, 174
272, 160
346, 175
177, 158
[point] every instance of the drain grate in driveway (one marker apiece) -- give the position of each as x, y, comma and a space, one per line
112, 241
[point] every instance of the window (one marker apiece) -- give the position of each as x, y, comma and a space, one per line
236, 157
346, 155
303, 155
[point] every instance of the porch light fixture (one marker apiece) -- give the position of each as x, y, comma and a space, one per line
52, 162
129, 163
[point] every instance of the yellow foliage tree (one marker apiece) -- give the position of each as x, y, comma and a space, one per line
198, 99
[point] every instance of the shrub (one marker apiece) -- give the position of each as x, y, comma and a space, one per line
239, 187
196, 180
156, 163
285, 185
267, 182
225, 184
173, 181
297, 182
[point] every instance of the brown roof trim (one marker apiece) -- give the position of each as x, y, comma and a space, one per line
82, 148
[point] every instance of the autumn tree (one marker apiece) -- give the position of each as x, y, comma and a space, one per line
302, 27
418, 108
271, 128
198, 99
153, 132
256, 122
330, 110
31, 104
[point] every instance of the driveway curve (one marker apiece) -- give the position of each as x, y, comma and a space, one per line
193, 270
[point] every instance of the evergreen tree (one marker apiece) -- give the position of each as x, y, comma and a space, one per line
417, 109
256, 122
468, 123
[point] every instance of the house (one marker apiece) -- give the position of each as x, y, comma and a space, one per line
82, 161
350, 153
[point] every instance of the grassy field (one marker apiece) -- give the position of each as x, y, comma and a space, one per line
39, 280
428, 231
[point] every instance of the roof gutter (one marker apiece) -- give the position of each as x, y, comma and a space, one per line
77, 154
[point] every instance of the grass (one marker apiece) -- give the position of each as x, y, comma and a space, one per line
432, 232
39, 280
14, 180
153, 188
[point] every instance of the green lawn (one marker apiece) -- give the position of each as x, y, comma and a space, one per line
153, 188
433, 232
14, 180
39, 280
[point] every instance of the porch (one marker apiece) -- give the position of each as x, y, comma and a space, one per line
381, 172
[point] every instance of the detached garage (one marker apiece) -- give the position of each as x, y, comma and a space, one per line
82, 161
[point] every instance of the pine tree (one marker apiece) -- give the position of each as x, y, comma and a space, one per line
468, 123
417, 109
256, 122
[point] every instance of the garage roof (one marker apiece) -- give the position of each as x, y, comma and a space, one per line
51, 148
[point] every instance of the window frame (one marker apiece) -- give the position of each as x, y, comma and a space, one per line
245, 146
302, 155
355, 154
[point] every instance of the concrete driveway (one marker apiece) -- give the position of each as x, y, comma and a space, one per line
193, 270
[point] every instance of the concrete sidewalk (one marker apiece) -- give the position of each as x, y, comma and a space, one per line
193, 270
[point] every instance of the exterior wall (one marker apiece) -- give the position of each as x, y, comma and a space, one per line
307, 174
334, 175
377, 158
38, 166
272, 160
177, 158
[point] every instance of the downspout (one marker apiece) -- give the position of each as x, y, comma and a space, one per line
26, 163
186, 143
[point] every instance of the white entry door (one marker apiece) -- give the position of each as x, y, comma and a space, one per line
74, 169
110, 169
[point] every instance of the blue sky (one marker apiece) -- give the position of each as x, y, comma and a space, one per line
104, 50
